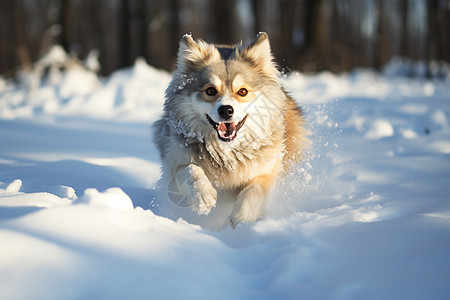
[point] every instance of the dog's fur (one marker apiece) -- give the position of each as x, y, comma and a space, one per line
212, 150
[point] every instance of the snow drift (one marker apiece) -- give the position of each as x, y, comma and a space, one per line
367, 216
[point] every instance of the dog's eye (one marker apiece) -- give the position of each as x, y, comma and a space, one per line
242, 92
211, 91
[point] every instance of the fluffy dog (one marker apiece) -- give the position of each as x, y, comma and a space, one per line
229, 129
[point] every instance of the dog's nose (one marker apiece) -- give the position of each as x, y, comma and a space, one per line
226, 111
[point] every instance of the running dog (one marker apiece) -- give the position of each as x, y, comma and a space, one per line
228, 128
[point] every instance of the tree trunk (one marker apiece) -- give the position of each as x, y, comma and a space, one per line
124, 35
258, 8
380, 37
65, 21
431, 49
23, 51
143, 24
287, 10
174, 28
223, 17
404, 12
316, 35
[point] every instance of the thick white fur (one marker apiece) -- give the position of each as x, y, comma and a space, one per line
250, 202
202, 195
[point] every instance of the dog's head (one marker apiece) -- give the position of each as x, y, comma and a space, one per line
231, 91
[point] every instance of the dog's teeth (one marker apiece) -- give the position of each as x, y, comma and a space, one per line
227, 130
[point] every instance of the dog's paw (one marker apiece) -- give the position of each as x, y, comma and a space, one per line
200, 195
249, 205
204, 195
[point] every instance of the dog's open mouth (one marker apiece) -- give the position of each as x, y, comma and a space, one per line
227, 131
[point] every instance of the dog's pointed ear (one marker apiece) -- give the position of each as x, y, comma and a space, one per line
259, 52
192, 53
187, 43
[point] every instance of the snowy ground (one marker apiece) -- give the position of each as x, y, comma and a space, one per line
366, 217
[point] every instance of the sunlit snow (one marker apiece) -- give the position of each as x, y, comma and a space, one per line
366, 216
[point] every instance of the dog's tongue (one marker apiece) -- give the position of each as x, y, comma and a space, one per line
226, 130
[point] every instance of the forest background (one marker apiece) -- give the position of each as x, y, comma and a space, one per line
306, 35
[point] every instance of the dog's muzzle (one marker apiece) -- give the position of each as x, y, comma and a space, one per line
227, 131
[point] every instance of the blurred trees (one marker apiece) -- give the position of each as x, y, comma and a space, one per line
308, 35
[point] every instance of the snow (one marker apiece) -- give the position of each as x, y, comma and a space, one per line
366, 216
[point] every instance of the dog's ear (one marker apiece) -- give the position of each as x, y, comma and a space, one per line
258, 51
187, 44
194, 53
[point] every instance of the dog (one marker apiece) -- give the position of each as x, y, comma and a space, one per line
229, 130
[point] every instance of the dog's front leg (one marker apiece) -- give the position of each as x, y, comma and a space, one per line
196, 187
251, 200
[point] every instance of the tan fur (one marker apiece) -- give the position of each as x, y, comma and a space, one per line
295, 134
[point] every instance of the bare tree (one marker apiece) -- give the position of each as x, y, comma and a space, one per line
223, 21
310, 35
404, 13
124, 34
259, 12
287, 10
143, 24
174, 26
380, 36
315, 51
23, 51
65, 21
431, 49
